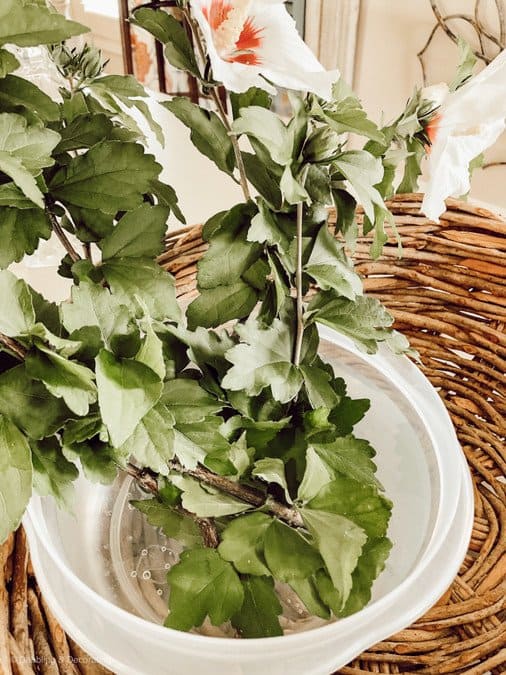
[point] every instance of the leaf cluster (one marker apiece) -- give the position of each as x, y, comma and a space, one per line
227, 405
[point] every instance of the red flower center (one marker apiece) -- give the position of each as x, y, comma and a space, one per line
432, 128
243, 49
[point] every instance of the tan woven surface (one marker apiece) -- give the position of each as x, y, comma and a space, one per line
447, 293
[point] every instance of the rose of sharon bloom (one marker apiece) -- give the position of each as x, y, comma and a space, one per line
250, 38
467, 122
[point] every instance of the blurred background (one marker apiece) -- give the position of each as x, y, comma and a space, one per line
382, 47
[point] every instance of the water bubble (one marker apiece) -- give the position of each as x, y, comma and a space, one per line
159, 591
164, 548
167, 566
133, 573
144, 551
146, 575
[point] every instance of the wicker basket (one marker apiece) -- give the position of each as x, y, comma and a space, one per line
448, 295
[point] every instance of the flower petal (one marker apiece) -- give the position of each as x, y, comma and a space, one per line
470, 120
268, 45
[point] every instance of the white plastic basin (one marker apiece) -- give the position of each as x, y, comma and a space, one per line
423, 469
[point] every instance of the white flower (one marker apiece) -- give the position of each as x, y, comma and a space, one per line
468, 122
248, 39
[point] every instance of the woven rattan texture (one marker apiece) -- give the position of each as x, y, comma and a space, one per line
448, 294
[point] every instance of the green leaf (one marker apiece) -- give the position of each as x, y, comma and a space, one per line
13, 167
21, 96
112, 176
93, 305
80, 430
12, 196
288, 555
370, 564
319, 391
263, 180
65, 379
17, 315
330, 267
15, 477
53, 474
266, 127
242, 543
8, 63
174, 524
91, 225
151, 350
345, 114
265, 228
144, 280
127, 390
351, 457
21, 230
263, 359
412, 166
349, 411
216, 306
365, 320
84, 131
206, 502
340, 543
166, 196
316, 476
292, 190
253, 97
234, 461
467, 62
307, 591
98, 460
272, 470
363, 171
230, 254
138, 234
258, 616
195, 440
29, 405
188, 402
202, 584
358, 502
28, 24
208, 133
168, 30
120, 85
152, 442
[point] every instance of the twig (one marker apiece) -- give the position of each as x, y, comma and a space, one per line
58, 639
87, 251
5, 661
219, 106
58, 230
298, 285
43, 655
18, 596
147, 480
20, 665
13, 346
245, 493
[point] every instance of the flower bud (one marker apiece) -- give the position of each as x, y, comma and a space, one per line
322, 144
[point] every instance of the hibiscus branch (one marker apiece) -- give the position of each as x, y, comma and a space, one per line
13, 346
298, 285
219, 107
245, 493
298, 279
60, 233
149, 482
